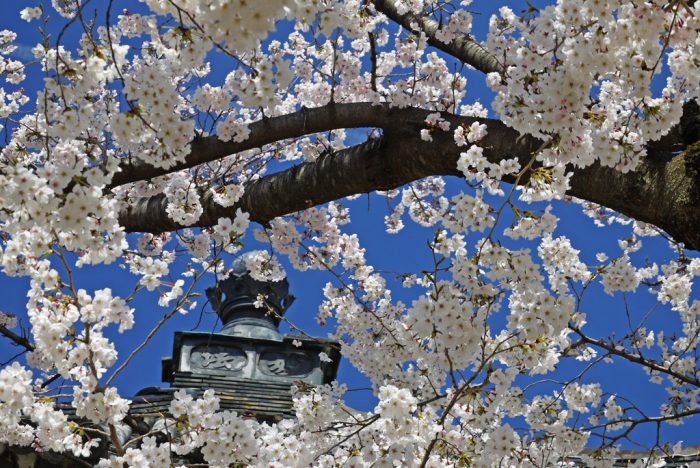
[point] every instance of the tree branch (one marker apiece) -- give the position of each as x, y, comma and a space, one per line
17, 339
623, 353
263, 132
465, 49
664, 191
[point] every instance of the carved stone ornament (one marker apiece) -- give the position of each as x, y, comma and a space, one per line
224, 358
285, 364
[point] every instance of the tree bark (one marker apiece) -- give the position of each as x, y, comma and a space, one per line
664, 191
465, 49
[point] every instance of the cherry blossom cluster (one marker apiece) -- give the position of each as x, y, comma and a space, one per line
587, 67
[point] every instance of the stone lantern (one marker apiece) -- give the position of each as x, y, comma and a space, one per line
249, 364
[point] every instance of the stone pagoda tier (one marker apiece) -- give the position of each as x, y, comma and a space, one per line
249, 364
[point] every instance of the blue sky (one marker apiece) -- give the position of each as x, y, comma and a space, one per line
394, 254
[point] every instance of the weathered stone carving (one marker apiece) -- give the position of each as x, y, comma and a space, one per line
285, 364
218, 358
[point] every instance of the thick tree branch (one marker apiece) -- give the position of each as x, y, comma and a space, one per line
664, 191
347, 172
465, 49
263, 132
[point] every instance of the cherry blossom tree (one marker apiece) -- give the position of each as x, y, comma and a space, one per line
130, 155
